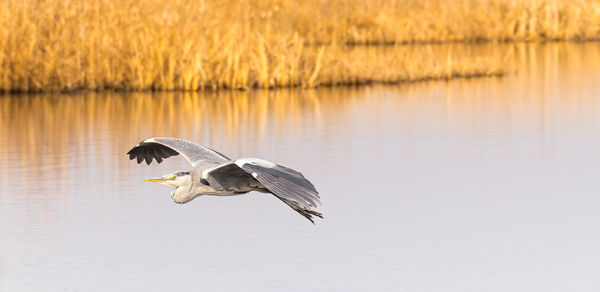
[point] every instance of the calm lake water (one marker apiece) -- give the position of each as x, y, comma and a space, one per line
470, 185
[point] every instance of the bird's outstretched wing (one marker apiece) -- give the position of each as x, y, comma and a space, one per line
288, 185
160, 148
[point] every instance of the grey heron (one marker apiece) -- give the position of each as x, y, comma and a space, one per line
215, 174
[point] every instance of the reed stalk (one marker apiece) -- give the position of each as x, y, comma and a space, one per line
66, 45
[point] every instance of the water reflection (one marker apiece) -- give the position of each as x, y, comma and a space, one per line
64, 128
53, 123
71, 198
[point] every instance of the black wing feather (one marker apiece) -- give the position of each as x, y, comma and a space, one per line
307, 213
148, 151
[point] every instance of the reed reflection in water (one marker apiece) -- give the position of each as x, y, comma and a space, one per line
466, 186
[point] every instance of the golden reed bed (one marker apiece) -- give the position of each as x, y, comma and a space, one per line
64, 45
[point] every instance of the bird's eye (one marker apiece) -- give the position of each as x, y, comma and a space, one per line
173, 177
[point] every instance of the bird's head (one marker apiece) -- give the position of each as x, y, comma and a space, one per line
176, 179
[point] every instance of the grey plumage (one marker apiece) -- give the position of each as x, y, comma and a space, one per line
231, 178
285, 184
215, 174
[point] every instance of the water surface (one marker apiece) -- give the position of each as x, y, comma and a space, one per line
469, 185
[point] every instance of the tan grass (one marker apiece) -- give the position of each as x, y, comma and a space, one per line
56, 45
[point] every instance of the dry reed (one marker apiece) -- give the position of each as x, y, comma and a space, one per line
52, 45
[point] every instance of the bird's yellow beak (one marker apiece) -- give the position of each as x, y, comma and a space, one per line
165, 180
160, 180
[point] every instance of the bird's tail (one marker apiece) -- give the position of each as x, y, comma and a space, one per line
307, 213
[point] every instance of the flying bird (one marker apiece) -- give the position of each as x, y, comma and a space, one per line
214, 174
